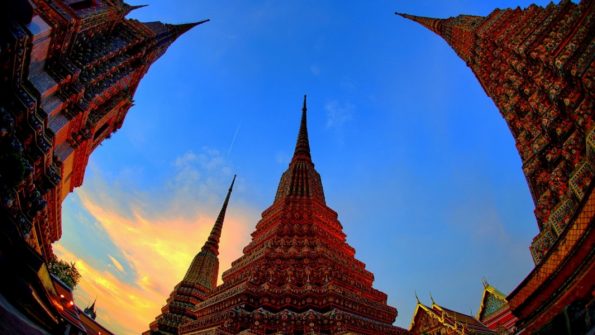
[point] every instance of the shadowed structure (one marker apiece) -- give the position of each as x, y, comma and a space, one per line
69, 71
537, 66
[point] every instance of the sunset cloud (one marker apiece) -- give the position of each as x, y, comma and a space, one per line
157, 234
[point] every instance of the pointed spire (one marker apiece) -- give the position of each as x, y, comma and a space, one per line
212, 244
165, 33
430, 23
459, 32
432, 298
485, 283
302, 147
90, 310
184, 27
301, 179
126, 8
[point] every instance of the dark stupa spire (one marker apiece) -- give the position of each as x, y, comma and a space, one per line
204, 268
126, 8
302, 146
199, 281
212, 243
166, 33
90, 310
184, 27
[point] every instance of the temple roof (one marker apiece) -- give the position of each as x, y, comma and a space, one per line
458, 322
492, 301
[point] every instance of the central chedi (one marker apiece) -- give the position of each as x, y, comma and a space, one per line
298, 275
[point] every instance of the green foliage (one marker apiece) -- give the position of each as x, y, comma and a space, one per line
66, 272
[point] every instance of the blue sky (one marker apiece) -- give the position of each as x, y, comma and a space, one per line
413, 155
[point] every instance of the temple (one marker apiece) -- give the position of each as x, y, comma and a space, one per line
298, 275
69, 71
438, 320
199, 281
537, 66
74, 320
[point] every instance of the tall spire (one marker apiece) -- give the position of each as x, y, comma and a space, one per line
302, 147
459, 32
126, 8
301, 179
212, 243
428, 22
199, 281
166, 33
184, 27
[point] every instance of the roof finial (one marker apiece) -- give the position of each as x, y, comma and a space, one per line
184, 27
302, 147
212, 243
90, 310
304, 107
484, 281
432, 298
417, 298
129, 8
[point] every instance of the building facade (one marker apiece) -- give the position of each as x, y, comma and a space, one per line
537, 66
68, 73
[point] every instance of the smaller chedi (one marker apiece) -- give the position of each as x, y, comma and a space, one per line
199, 281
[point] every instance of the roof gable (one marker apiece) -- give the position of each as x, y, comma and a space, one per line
491, 302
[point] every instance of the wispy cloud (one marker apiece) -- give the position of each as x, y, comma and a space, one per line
233, 140
157, 233
338, 113
116, 263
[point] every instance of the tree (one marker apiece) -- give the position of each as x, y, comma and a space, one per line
65, 271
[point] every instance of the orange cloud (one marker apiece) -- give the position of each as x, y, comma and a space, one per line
158, 240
